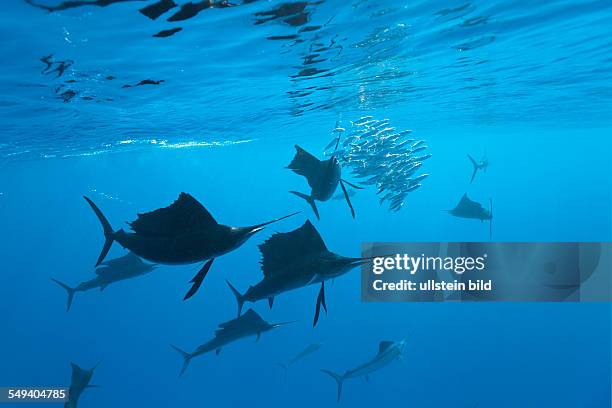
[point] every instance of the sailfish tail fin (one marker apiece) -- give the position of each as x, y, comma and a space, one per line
309, 200
109, 234
475, 167
71, 292
237, 295
186, 359
339, 380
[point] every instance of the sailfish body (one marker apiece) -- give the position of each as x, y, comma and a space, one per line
293, 260
467, 208
249, 324
323, 177
79, 382
388, 351
182, 233
126, 267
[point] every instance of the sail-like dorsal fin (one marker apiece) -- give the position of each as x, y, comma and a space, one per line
185, 214
467, 206
465, 201
125, 261
248, 319
284, 248
101, 270
384, 345
121, 265
304, 163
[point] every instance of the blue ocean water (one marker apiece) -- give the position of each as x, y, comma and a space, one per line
223, 102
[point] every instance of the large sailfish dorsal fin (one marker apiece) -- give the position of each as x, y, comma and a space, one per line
383, 346
130, 260
284, 248
184, 214
466, 206
247, 320
305, 164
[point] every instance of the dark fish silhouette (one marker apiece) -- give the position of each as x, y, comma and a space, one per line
191, 9
145, 82
308, 350
249, 324
79, 382
294, 14
155, 10
167, 33
480, 165
182, 233
60, 65
115, 270
293, 260
76, 3
323, 178
48, 61
388, 351
67, 96
467, 208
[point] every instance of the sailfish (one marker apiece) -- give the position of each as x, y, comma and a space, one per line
249, 324
79, 382
323, 177
478, 165
293, 260
182, 233
467, 208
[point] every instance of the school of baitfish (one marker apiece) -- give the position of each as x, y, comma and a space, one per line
380, 155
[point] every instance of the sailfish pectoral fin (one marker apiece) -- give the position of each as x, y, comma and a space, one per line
353, 185
323, 297
198, 279
348, 200
271, 301
320, 301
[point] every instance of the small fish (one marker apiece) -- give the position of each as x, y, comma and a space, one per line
418, 149
423, 158
362, 120
421, 177
308, 350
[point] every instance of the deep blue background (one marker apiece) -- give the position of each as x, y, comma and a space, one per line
536, 100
